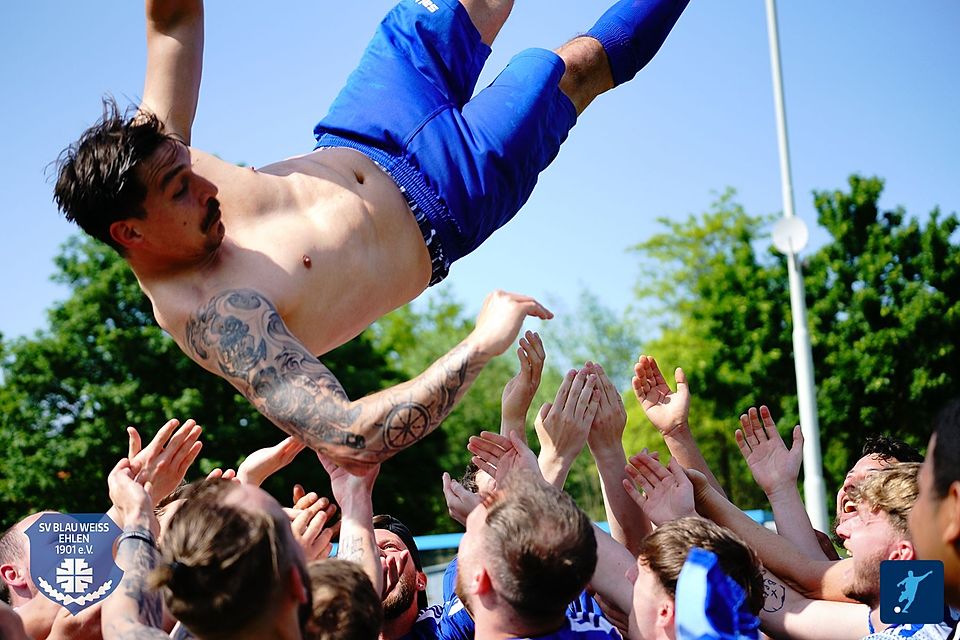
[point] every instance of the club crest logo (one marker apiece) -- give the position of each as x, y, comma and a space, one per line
71, 558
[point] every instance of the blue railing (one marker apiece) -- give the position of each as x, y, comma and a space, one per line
440, 541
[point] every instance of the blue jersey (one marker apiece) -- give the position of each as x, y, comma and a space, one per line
583, 626
447, 621
941, 631
450, 620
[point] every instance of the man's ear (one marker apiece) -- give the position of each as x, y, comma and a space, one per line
665, 616
421, 581
902, 550
484, 583
125, 234
13, 576
477, 581
297, 588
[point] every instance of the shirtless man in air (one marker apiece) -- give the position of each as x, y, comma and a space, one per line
257, 272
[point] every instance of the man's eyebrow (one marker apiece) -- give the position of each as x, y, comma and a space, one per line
171, 174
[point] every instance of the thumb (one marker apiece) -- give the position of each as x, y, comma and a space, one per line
539, 423
680, 377
133, 446
797, 437
544, 410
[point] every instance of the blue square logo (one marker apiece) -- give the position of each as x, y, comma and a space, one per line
911, 592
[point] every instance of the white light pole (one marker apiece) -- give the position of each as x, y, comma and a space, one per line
790, 237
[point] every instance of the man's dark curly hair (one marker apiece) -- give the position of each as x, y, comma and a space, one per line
96, 175
889, 448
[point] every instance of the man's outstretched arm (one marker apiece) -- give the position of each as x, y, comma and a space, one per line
174, 62
240, 336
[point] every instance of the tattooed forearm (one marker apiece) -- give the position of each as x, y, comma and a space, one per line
407, 420
774, 594
136, 611
358, 544
351, 548
242, 336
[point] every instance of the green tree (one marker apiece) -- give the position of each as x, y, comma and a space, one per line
884, 301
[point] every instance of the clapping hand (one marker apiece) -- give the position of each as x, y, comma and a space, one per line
667, 492
164, 462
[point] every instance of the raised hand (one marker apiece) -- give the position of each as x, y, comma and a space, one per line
358, 541
611, 418
133, 500
519, 391
263, 463
667, 410
564, 425
164, 462
303, 500
313, 528
460, 502
499, 455
667, 492
500, 320
774, 467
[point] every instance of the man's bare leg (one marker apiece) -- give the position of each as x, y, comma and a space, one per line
622, 42
488, 16
588, 72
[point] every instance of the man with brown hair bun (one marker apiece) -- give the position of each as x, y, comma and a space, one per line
230, 567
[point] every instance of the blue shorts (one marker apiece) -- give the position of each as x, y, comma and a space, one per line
466, 165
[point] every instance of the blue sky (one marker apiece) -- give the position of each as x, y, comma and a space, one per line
871, 87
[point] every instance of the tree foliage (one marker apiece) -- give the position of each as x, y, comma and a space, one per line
883, 295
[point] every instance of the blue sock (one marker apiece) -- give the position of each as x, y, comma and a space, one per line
632, 31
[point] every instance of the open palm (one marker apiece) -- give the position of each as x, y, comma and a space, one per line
666, 409
773, 466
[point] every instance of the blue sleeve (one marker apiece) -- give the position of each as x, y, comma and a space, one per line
456, 623
450, 580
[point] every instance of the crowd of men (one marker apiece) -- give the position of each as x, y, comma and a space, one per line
221, 558
256, 273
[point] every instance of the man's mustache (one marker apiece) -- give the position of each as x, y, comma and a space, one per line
213, 212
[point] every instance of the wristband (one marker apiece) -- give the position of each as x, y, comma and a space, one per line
139, 534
